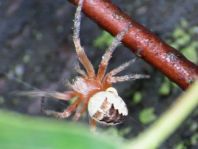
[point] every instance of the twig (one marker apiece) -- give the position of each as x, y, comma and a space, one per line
142, 42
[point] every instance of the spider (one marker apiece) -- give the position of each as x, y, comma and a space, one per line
93, 91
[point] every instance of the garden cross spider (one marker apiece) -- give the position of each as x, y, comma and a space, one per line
93, 91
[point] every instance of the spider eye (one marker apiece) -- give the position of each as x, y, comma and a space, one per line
107, 107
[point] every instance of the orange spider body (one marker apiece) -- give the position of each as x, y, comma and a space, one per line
87, 87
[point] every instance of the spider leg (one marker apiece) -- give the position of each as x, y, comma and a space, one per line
79, 70
115, 79
37, 93
43, 105
92, 124
79, 113
66, 113
79, 49
108, 54
121, 68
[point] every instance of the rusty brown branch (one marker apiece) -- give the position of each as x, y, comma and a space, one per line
142, 42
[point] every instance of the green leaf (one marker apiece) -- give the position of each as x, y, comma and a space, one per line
168, 122
191, 51
103, 40
137, 97
165, 87
147, 115
194, 139
180, 145
184, 23
178, 32
24, 132
184, 40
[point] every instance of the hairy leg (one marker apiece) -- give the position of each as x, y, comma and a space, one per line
108, 54
79, 113
116, 79
62, 96
79, 49
66, 113
80, 71
120, 68
92, 124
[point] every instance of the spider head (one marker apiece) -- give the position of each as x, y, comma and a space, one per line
107, 107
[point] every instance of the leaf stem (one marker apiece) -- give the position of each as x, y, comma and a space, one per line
168, 122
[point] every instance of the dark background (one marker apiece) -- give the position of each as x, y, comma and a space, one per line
36, 51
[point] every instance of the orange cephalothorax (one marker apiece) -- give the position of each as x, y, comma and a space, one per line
86, 86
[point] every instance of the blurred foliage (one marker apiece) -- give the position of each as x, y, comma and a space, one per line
147, 115
137, 97
180, 146
168, 122
194, 139
182, 39
24, 132
103, 40
165, 87
2, 100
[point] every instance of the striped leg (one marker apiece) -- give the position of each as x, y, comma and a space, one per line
108, 54
79, 49
66, 113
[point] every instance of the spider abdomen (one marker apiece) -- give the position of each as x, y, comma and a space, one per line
107, 107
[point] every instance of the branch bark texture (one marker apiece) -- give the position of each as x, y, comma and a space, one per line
142, 42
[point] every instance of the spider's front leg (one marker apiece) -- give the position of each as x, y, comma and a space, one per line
111, 78
79, 49
58, 95
116, 79
108, 54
